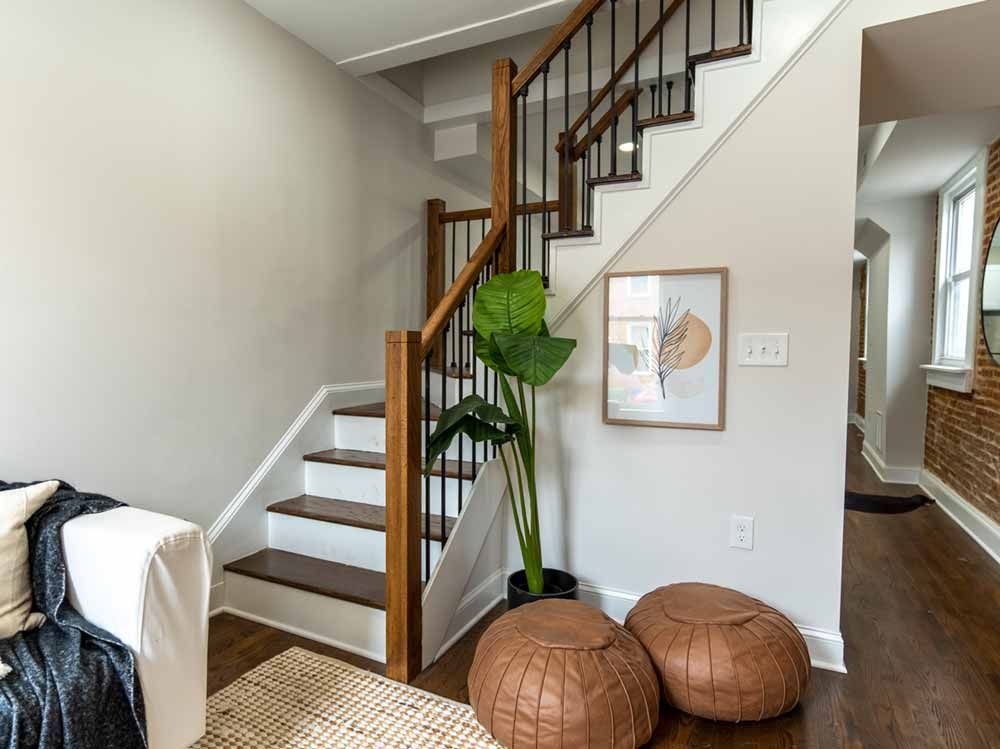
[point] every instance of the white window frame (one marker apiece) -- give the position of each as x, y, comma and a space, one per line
947, 371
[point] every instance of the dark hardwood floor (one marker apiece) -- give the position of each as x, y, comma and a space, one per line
921, 618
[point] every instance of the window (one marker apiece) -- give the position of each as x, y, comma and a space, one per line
638, 285
960, 222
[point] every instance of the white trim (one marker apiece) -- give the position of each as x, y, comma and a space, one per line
857, 420
952, 378
237, 502
394, 95
983, 530
309, 635
889, 474
494, 589
826, 647
216, 598
702, 162
945, 372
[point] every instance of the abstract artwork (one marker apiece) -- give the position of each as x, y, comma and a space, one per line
665, 348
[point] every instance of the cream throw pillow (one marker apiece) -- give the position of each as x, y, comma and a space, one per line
16, 506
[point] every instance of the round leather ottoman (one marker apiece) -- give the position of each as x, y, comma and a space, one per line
720, 654
559, 674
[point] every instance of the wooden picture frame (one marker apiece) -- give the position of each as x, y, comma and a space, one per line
655, 362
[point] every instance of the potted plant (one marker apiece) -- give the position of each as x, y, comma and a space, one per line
511, 339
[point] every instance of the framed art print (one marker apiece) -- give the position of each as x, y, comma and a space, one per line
665, 348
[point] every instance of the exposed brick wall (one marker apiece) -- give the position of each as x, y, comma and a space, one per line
862, 313
962, 442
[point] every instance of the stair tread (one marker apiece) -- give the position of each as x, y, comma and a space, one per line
569, 233
666, 119
355, 514
615, 179
353, 584
377, 410
740, 50
367, 459
453, 372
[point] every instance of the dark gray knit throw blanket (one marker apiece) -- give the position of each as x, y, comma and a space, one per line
72, 685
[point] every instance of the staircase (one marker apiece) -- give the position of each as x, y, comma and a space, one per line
374, 556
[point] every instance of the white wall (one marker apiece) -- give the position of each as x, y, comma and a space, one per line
203, 221
906, 309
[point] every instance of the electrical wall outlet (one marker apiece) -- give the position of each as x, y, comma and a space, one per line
741, 532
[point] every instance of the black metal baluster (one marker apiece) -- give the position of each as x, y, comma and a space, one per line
687, 57
467, 324
713, 24
454, 228
525, 235
427, 455
659, 70
614, 120
583, 190
588, 192
545, 180
567, 147
635, 97
600, 139
670, 98
652, 99
487, 274
461, 395
444, 405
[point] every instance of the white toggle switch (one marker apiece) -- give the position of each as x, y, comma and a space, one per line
764, 349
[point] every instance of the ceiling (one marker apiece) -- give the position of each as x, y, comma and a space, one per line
938, 62
365, 37
922, 154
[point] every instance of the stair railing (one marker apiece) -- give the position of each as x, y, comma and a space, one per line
438, 362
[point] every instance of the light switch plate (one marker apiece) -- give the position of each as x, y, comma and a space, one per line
763, 349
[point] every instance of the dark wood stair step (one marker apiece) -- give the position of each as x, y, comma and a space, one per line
377, 411
615, 179
355, 514
667, 119
587, 231
353, 584
728, 53
453, 372
367, 459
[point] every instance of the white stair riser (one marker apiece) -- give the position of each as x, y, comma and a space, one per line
359, 484
358, 547
348, 626
368, 433
484, 380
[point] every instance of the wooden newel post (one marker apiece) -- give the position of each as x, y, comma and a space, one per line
504, 188
435, 266
403, 613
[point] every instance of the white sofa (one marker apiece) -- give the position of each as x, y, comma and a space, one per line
145, 578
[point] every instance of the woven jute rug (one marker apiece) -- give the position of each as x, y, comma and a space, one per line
301, 700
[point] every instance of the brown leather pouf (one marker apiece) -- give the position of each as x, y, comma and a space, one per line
559, 674
720, 654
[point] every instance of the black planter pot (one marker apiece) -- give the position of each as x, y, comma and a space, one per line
558, 584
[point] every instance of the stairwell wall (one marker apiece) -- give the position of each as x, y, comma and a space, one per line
202, 222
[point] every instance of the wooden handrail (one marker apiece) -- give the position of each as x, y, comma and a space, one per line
477, 214
453, 297
563, 33
626, 65
602, 125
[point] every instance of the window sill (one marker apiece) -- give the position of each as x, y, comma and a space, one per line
958, 379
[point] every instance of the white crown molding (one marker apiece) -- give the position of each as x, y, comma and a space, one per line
982, 529
226, 516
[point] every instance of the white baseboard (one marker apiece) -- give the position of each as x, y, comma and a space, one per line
886, 473
475, 605
857, 420
826, 648
983, 530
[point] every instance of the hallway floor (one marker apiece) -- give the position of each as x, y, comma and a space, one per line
921, 619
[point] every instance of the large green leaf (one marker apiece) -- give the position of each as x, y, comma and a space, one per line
470, 416
489, 354
534, 359
510, 303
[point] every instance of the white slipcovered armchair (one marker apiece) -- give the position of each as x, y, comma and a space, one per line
145, 578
